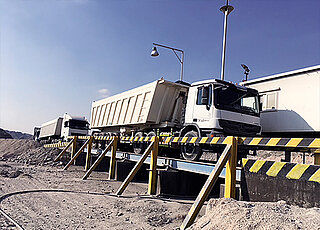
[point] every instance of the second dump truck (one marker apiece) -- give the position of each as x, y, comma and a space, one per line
205, 108
62, 127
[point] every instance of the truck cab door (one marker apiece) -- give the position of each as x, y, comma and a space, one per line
203, 107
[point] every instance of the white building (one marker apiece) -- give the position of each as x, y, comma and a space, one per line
290, 102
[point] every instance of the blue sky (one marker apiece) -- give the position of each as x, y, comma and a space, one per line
58, 56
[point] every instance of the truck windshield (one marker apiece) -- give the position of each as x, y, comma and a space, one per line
78, 124
237, 100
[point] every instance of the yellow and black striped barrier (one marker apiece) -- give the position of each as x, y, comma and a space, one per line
284, 169
56, 145
297, 184
313, 143
250, 141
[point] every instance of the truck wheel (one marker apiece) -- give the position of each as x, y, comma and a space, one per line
191, 151
138, 147
151, 134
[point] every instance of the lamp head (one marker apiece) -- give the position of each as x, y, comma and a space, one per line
154, 52
246, 68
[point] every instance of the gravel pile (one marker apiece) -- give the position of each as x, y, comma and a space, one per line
225, 214
28, 152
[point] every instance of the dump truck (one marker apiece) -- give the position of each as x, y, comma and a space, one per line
62, 127
290, 103
206, 108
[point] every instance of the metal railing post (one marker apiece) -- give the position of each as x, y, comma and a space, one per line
113, 159
88, 157
317, 157
206, 189
74, 146
97, 162
135, 170
75, 156
64, 150
153, 168
230, 181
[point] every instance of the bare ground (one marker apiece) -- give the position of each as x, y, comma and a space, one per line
38, 194
50, 198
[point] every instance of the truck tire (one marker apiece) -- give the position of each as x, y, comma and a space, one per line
138, 147
191, 151
151, 134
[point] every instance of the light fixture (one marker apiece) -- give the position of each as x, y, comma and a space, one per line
246, 70
154, 52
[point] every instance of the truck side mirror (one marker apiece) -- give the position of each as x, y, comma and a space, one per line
260, 107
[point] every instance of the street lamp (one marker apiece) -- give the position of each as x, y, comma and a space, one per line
246, 70
154, 53
226, 10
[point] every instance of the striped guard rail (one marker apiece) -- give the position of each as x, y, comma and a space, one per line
250, 141
288, 170
56, 145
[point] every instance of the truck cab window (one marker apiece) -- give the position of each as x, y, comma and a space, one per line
237, 100
204, 95
199, 96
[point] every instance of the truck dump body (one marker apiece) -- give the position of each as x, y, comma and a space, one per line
154, 103
51, 129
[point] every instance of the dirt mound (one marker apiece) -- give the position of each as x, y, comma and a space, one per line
231, 214
4, 134
28, 152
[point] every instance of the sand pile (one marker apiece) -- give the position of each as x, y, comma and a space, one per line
231, 214
28, 152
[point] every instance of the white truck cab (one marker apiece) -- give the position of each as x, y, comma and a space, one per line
215, 106
74, 126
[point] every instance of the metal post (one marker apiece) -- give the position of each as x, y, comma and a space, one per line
226, 10
135, 170
153, 168
182, 61
230, 181
74, 146
97, 162
88, 157
287, 156
64, 150
317, 157
75, 156
206, 189
113, 159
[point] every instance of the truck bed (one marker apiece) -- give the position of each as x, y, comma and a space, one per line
51, 129
152, 103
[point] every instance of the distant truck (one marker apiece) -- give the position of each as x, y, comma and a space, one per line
61, 128
290, 103
206, 108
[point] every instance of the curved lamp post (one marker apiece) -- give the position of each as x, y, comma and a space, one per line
154, 53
